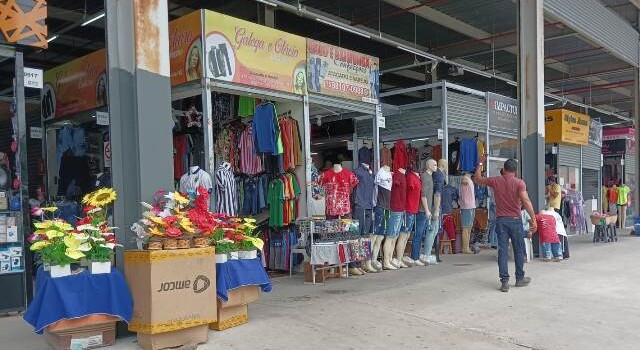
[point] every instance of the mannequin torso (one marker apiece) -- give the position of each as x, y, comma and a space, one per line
366, 187
196, 177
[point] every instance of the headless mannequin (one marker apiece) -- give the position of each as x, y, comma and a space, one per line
389, 247
366, 265
195, 178
622, 209
466, 231
443, 165
401, 243
377, 239
428, 234
369, 266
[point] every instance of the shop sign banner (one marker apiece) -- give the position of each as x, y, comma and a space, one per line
334, 71
595, 133
33, 78
76, 86
628, 134
565, 126
185, 48
504, 114
250, 54
614, 147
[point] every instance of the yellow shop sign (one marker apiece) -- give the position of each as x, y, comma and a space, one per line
565, 126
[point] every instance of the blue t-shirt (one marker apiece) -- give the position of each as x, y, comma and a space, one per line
365, 188
449, 195
264, 128
468, 154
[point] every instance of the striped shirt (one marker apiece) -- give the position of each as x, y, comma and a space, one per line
190, 181
226, 190
250, 163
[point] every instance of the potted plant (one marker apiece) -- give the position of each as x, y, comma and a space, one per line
58, 246
94, 226
250, 243
165, 222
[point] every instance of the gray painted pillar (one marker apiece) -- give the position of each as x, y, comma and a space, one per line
139, 106
636, 116
531, 97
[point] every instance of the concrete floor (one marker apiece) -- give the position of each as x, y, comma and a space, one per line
588, 302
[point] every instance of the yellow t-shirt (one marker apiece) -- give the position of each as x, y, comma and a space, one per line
555, 202
623, 195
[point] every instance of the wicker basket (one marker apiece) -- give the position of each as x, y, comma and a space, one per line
170, 243
154, 245
184, 243
611, 219
598, 220
200, 242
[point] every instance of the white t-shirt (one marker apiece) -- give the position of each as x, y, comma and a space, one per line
190, 181
559, 223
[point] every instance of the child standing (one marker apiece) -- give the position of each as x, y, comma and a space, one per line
549, 237
525, 231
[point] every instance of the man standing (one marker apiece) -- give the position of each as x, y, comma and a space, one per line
510, 194
555, 194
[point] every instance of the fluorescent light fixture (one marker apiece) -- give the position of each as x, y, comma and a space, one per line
550, 104
52, 38
341, 27
420, 139
410, 50
266, 2
93, 19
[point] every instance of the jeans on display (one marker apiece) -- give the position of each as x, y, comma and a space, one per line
550, 248
509, 228
394, 224
409, 223
379, 226
365, 219
424, 230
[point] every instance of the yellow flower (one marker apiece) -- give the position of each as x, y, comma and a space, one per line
49, 209
103, 197
54, 233
155, 231
63, 225
257, 242
249, 220
187, 225
39, 245
75, 247
180, 199
43, 225
88, 198
157, 220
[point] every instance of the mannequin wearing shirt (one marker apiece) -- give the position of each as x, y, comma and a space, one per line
196, 177
397, 205
439, 180
467, 204
623, 200
338, 184
424, 226
363, 210
414, 192
383, 183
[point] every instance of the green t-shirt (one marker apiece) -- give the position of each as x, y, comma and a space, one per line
246, 106
275, 198
623, 195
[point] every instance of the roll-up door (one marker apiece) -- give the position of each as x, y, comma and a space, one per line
569, 155
407, 125
466, 112
590, 183
591, 157
630, 163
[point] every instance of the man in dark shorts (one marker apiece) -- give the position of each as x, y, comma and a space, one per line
510, 194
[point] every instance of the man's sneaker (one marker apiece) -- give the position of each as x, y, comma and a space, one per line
557, 259
523, 282
505, 287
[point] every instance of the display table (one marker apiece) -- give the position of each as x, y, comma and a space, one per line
77, 296
239, 273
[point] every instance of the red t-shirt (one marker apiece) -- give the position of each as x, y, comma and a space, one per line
414, 192
506, 191
547, 228
613, 195
398, 201
337, 188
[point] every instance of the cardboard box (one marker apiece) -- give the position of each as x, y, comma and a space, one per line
241, 296
230, 317
171, 289
183, 337
90, 332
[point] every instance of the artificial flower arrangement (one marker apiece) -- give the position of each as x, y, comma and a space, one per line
60, 244
175, 216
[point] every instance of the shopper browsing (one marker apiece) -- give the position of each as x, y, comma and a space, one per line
510, 194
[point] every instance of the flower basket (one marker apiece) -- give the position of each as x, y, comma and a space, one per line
221, 258
100, 267
248, 254
169, 244
60, 270
598, 220
200, 242
154, 245
612, 219
184, 243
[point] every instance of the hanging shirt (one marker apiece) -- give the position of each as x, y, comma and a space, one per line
179, 147
383, 182
385, 157
250, 163
226, 190
437, 152
449, 195
623, 195
400, 157
414, 193
246, 106
365, 155
337, 188
398, 201
275, 197
454, 157
467, 196
427, 190
481, 149
266, 134
365, 188
468, 154
547, 228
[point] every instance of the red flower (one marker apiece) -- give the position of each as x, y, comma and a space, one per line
87, 209
111, 239
173, 232
170, 220
84, 221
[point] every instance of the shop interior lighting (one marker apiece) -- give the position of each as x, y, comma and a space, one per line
52, 38
336, 25
420, 139
266, 2
93, 19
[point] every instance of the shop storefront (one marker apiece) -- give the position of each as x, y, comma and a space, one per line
619, 154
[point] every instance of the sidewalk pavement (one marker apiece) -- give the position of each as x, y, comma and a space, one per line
587, 302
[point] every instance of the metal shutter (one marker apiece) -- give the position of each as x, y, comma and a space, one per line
591, 155
351, 105
630, 163
466, 112
598, 24
569, 155
590, 183
412, 124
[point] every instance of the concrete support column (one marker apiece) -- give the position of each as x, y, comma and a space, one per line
139, 107
635, 205
531, 97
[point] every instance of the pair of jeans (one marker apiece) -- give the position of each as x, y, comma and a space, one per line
424, 233
509, 229
394, 224
550, 248
409, 223
525, 233
365, 219
380, 221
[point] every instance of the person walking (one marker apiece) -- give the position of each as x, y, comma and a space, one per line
510, 195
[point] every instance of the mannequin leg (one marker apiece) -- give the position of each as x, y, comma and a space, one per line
387, 252
623, 217
466, 236
401, 244
377, 244
368, 264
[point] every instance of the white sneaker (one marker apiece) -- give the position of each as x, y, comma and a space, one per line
419, 263
433, 260
408, 261
395, 262
377, 265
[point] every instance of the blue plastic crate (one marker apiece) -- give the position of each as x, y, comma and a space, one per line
636, 228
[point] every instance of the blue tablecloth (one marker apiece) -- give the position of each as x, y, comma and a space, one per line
78, 296
239, 273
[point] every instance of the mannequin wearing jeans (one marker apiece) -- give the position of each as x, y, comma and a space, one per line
363, 210
424, 226
414, 193
398, 206
383, 183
